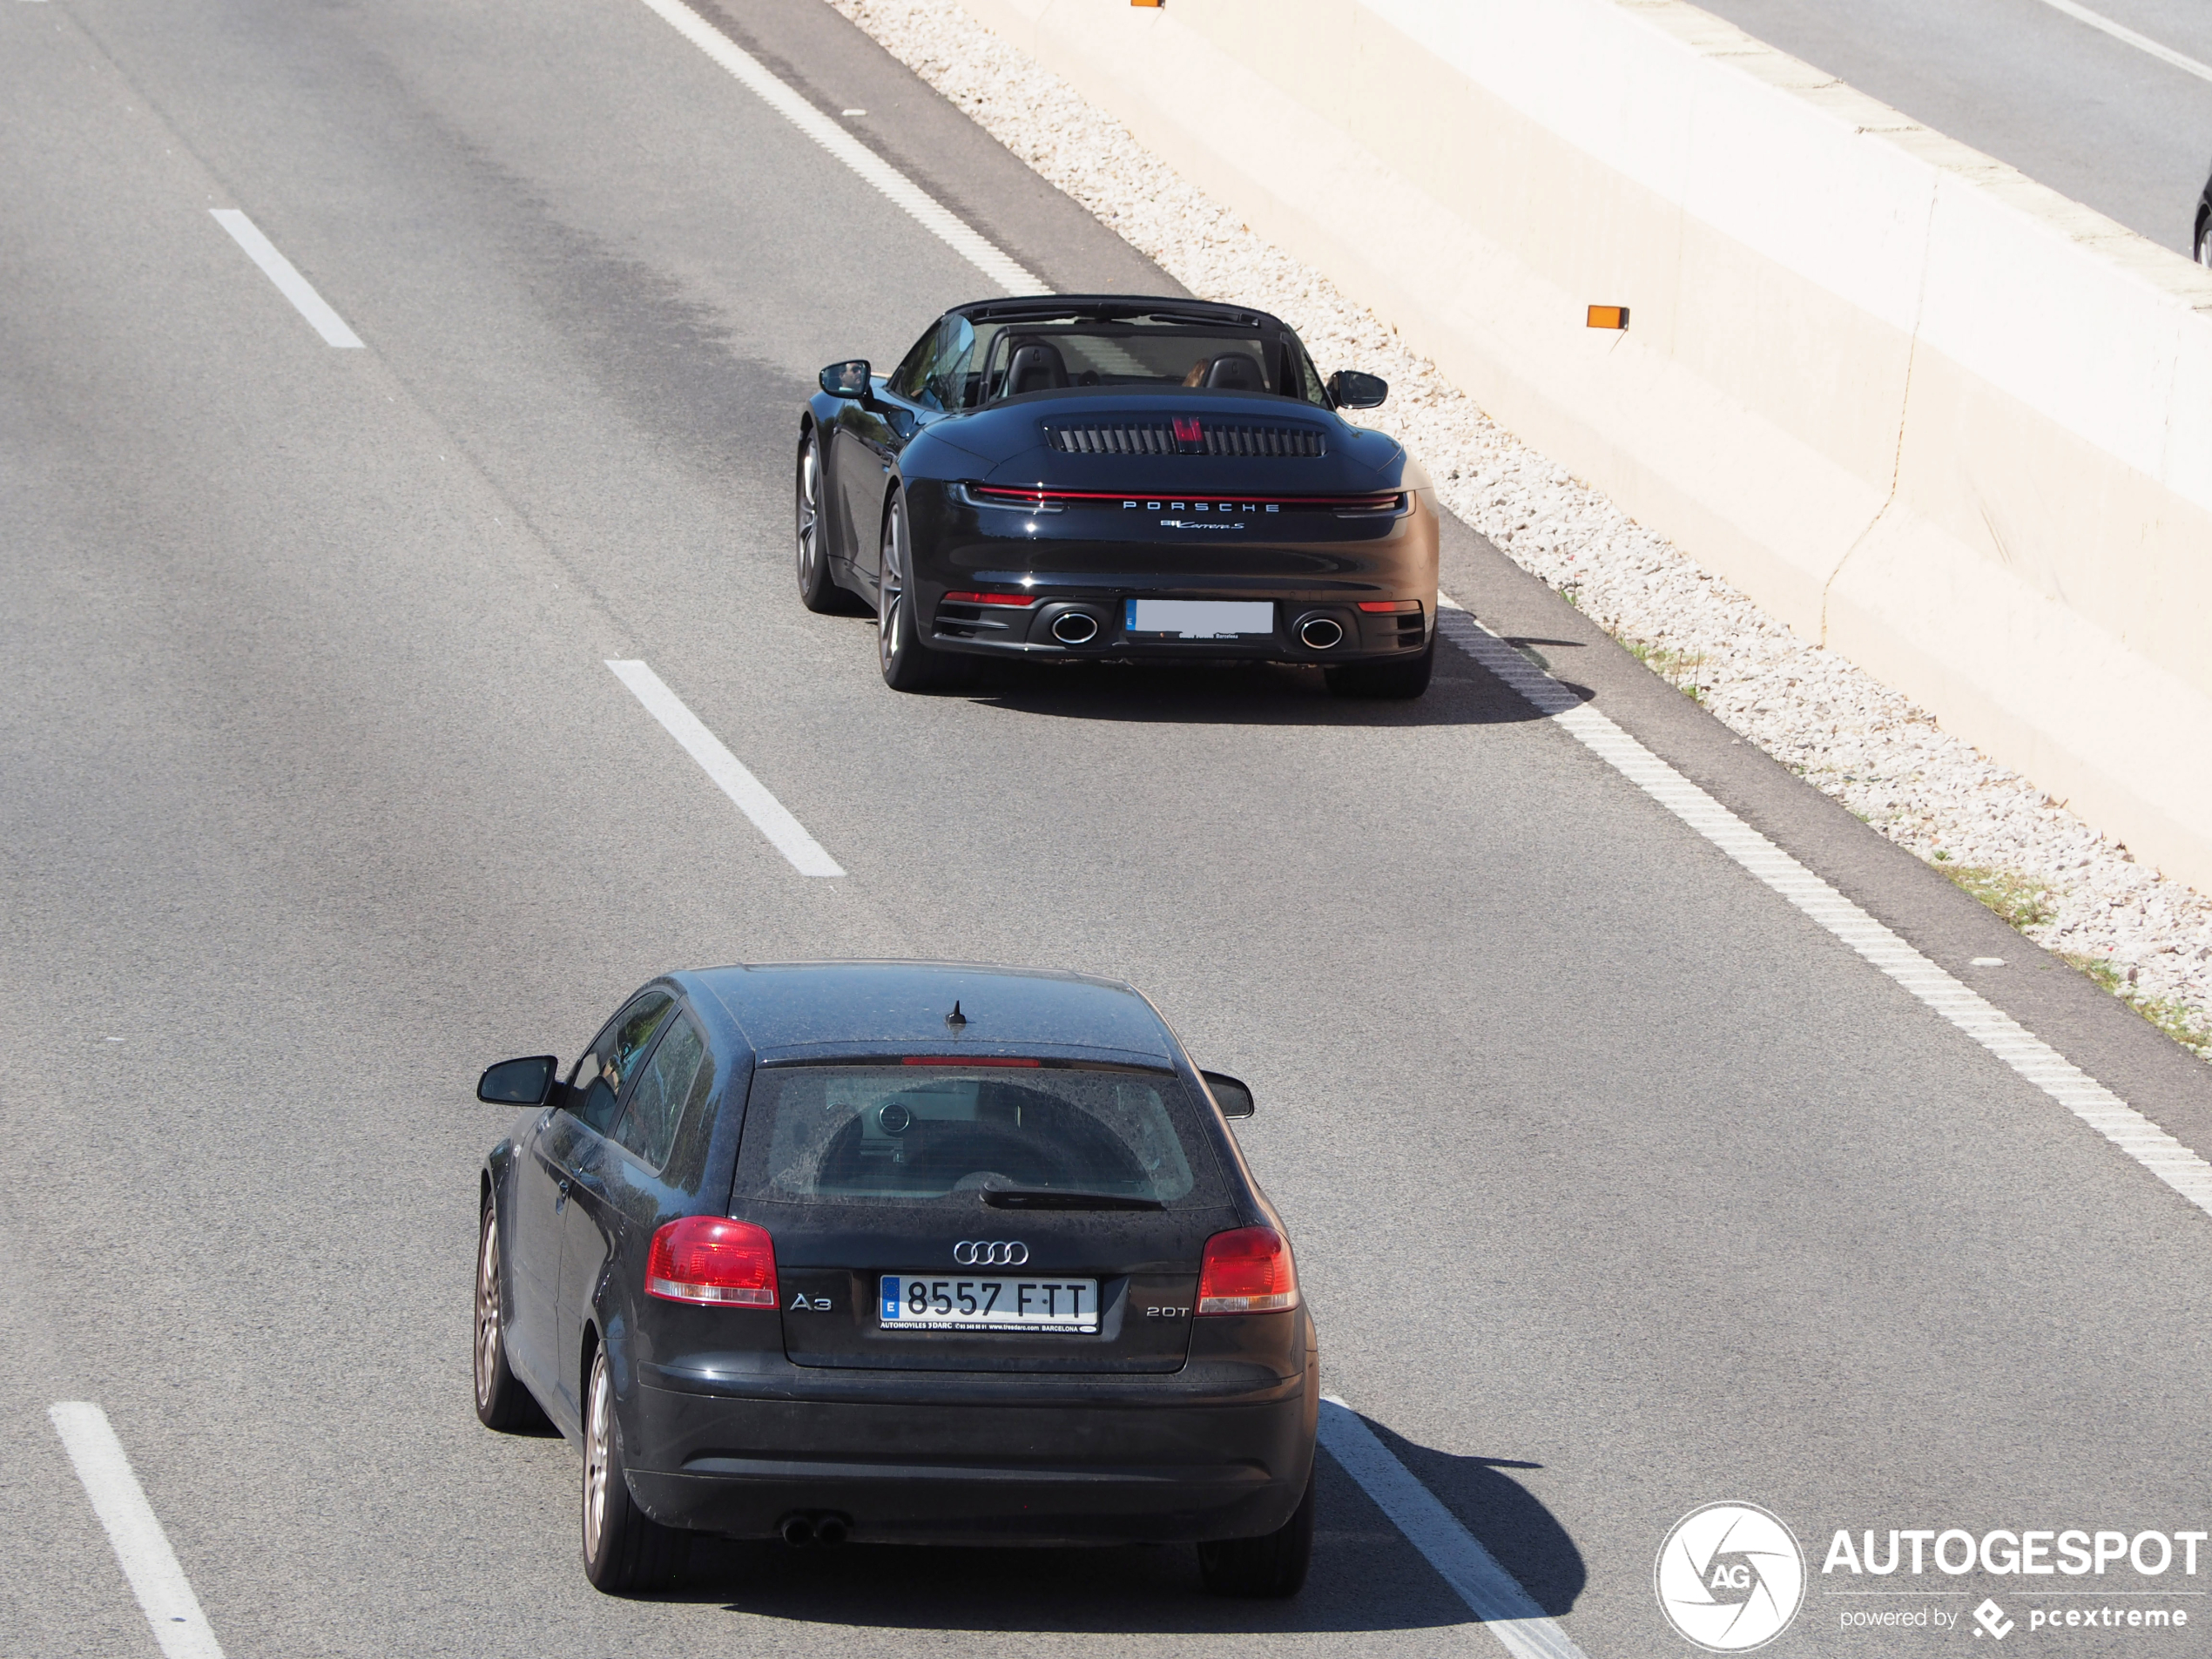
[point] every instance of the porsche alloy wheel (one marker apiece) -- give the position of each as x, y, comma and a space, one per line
817, 591
908, 666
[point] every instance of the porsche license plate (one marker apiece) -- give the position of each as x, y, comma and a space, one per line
911, 1302
1198, 618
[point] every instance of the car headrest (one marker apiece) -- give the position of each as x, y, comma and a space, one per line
1234, 372
1035, 368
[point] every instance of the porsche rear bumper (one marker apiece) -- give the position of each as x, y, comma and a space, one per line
1079, 570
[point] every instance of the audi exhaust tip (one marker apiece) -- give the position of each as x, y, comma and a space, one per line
797, 1531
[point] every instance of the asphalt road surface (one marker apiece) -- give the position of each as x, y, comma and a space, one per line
1619, 1185
2071, 105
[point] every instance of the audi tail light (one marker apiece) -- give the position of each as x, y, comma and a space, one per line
710, 1261
1248, 1271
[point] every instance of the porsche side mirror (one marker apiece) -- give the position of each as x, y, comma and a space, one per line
1350, 389
847, 379
519, 1083
1234, 1098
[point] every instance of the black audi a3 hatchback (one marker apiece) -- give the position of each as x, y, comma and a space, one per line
897, 1252
1117, 477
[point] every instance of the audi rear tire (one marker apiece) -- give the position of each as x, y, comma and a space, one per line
624, 1549
1271, 1567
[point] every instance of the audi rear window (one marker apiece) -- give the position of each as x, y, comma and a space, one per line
879, 1133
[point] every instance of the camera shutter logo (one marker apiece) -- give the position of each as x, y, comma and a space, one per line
1730, 1577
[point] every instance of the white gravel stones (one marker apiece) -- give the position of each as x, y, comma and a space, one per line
2069, 888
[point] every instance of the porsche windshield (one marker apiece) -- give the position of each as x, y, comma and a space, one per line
877, 1132
964, 365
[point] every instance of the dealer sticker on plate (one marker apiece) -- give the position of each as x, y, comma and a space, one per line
918, 1304
1198, 618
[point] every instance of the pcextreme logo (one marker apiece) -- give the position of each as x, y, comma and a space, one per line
1730, 1577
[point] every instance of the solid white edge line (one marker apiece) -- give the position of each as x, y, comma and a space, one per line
2140, 43
1495, 1597
948, 226
1997, 1031
770, 816
289, 282
141, 1548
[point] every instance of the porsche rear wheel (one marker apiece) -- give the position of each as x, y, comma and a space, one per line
816, 591
1401, 677
908, 666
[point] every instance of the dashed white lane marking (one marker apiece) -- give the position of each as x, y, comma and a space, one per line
140, 1545
2026, 1053
948, 226
1508, 1612
770, 816
2140, 43
289, 282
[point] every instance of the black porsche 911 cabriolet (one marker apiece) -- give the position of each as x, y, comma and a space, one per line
1121, 478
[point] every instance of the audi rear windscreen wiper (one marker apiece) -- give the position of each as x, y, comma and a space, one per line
1053, 1198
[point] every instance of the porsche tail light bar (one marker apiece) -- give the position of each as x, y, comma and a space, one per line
1248, 1270
990, 598
710, 1260
1042, 500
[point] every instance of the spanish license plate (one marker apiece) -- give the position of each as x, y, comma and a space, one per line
913, 1303
1198, 618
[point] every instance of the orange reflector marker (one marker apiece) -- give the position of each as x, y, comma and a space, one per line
1148, 2
1609, 316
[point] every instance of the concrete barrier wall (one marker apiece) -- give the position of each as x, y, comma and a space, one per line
1922, 410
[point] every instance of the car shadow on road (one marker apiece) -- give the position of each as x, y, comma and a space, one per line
1462, 693
1366, 1575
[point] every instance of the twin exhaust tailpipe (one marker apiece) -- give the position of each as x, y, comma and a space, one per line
799, 1531
1080, 627
1320, 633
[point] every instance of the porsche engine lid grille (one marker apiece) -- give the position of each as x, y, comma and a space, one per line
1185, 437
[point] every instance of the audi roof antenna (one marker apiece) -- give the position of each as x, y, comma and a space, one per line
956, 1019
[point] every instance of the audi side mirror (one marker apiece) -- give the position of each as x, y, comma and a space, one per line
1350, 389
519, 1083
1234, 1098
848, 379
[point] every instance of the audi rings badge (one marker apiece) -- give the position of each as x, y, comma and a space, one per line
990, 1253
